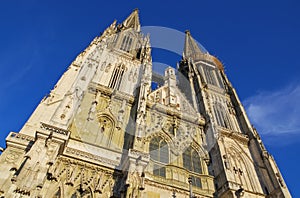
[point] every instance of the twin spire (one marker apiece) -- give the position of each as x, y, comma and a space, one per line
192, 49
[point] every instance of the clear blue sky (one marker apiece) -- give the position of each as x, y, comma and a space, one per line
258, 42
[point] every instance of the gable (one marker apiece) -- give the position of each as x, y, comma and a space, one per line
172, 97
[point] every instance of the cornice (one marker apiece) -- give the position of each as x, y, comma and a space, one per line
81, 155
54, 129
94, 87
233, 135
19, 140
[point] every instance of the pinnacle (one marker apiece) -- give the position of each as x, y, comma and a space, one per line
133, 21
191, 47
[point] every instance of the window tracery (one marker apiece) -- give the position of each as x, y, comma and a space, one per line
116, 77
192, 162
222, 117
126, 43
210, 76
159, 153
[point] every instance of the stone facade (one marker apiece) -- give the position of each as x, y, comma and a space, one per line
103, 131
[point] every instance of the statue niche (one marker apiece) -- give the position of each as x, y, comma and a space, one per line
105, 133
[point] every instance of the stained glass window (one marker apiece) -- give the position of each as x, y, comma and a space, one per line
192, 160
159, 152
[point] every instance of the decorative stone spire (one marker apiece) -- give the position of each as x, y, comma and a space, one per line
170, 77
194, 50
133, 21
191, 48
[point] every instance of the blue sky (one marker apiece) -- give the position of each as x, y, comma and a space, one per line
258, 42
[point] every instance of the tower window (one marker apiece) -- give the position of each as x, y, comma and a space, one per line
159, 153
222, 117
126, 43
138, 50
209, 75
116, 77
221, 83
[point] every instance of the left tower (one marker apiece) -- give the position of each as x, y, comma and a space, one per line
75, 139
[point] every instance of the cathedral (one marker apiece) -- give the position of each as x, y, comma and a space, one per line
106, 131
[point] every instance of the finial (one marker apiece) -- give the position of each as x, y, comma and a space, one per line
136, 10
187, 32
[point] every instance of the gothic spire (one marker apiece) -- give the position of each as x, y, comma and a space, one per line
191, 48
195, 51
133, 21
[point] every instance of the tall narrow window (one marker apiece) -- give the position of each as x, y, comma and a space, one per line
187, 163
126, 43
209, 75
159, 153
221, 83
138, 50
222, 117
116, 77
192, 162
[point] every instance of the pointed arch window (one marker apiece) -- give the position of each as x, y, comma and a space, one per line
126, 43
192, 162
159, 153
116, 77
222, 117
210, 75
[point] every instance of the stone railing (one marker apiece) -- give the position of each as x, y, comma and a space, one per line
178, 177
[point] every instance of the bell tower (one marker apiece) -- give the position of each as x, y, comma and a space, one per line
239, 161
74, 143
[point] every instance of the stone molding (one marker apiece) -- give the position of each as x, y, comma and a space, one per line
242, 138
90, 157
54, 129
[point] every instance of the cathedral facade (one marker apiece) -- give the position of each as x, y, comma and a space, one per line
105, 131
